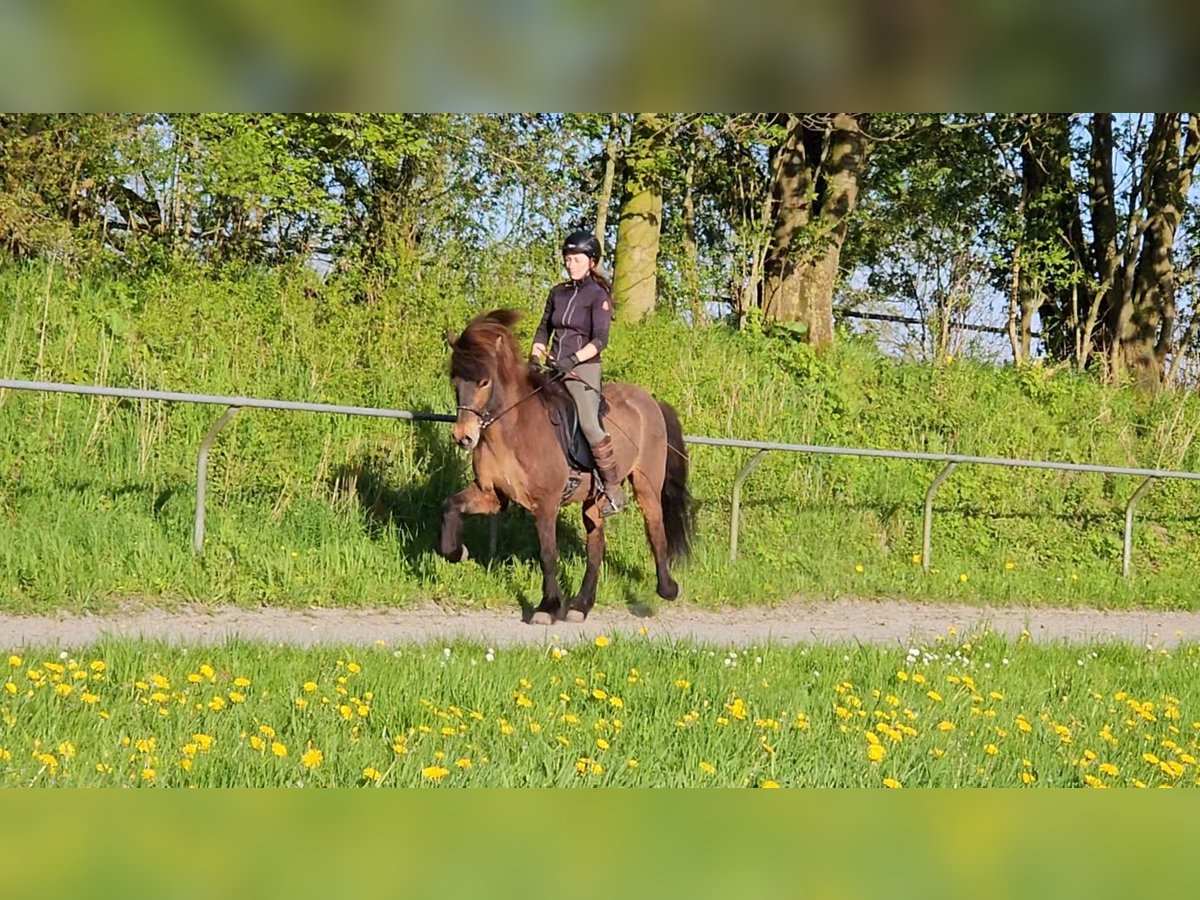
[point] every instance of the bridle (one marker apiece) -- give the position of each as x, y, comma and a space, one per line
486, 419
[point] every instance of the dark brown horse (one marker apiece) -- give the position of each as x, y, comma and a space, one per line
504, 407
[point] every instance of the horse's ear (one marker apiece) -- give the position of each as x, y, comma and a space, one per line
499, 342
451, 337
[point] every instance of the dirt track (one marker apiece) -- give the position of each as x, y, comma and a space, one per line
883, 622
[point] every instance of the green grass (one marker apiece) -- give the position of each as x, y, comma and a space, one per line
974, 710
97, 495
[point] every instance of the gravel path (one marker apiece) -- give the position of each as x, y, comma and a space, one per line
850, 621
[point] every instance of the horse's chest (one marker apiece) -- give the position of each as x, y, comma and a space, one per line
503, 476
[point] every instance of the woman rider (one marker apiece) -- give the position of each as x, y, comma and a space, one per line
576, 322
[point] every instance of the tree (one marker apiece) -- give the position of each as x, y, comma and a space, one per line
815, 180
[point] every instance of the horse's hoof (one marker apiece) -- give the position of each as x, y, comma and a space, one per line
541, 618
575, 615
670, 591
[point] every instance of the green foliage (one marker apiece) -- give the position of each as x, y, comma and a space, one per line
97, 494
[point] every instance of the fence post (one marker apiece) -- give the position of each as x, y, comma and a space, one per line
737, 501
202, 474
1128, 548
926, 544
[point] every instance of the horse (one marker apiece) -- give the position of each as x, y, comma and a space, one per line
505, 405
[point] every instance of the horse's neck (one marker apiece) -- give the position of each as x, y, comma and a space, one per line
522, 419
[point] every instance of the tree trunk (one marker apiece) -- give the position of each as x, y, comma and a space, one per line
635, 276
1148, 334
612, 147
815, 191
691, 255
1052, 245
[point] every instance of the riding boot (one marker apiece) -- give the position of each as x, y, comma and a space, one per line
614, 496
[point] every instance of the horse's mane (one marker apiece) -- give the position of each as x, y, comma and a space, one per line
487, 349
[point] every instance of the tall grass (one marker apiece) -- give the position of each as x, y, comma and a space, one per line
97, 495
970, 710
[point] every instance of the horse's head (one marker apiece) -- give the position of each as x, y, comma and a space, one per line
485, 367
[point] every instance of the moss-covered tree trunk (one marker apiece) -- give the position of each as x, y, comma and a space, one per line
639, 228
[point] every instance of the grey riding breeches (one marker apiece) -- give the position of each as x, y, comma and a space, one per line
587, 399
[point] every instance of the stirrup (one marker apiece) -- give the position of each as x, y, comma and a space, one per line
609, 507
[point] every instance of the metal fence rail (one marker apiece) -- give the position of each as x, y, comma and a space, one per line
950, 461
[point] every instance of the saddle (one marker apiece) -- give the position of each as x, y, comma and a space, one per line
574, 443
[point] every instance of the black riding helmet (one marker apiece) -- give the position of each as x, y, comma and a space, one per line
582, 242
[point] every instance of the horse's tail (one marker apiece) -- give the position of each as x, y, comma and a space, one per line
679, 518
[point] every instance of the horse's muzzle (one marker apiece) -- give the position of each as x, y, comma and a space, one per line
466, 442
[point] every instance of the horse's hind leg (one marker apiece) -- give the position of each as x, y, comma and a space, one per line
649, 499
593, 525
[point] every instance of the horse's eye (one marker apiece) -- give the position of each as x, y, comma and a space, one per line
486, 383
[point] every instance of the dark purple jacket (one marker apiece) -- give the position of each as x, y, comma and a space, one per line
577, 313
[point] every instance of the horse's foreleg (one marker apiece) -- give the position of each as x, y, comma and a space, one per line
472, 501
649, 499
550, 608
593, 525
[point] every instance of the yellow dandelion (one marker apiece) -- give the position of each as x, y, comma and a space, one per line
148, 774
257, 742
632, 764
235, 697
1109, 769
876, 753
1028, 778
991, 749
1010, 565
279, 749
312, 758
353, 668
15, 661
602, 743
962, 579
769, 784
858, 568
370, 772
435, 773
708, 768
463, 763
602, 641
310, 687
891, 783
934, 696
945, 725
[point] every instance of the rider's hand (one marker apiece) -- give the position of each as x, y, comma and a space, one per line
565, 365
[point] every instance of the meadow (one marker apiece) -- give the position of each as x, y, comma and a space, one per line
97, 495
963, 710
